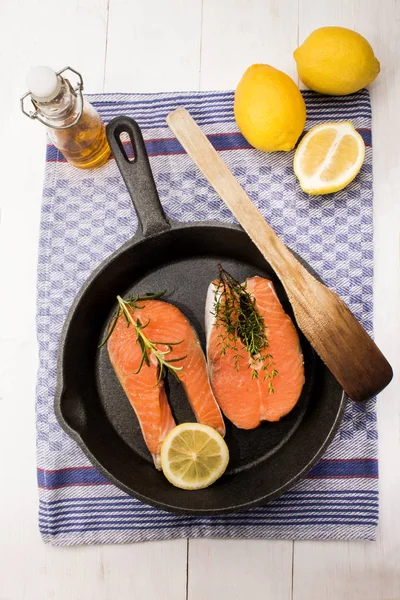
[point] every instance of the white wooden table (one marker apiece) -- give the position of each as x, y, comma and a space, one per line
147, 45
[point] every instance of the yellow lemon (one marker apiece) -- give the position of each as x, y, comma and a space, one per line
336, 61
193, 456
329, 157
269, 109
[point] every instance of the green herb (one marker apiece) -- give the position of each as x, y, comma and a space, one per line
126, 308
236, 312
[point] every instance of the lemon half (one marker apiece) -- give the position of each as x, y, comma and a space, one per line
329, 157
193, 456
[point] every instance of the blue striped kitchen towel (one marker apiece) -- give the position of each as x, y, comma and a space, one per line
87, 215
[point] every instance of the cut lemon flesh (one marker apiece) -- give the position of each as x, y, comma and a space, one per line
329, 157
193, 456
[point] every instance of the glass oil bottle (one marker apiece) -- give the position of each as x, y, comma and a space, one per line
73, 124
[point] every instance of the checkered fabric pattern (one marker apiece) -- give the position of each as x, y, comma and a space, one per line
87, 215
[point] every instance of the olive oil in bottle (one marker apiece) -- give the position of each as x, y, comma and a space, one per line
73, 124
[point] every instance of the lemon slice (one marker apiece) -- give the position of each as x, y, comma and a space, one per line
329, 157
193, 456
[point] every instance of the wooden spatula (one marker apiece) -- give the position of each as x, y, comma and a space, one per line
333, 331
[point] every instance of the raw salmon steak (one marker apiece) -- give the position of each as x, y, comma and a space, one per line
166, 323
244, 399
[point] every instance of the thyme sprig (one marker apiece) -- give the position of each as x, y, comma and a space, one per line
236, 312
126, 308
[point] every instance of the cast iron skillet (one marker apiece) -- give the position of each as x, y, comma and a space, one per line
90, 404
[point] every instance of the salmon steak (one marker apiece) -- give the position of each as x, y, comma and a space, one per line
251, 389
165, 324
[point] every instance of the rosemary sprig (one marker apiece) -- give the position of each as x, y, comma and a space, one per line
235, 310
148, 347
132, 302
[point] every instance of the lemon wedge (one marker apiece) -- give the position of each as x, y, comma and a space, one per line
329, 157
193, 456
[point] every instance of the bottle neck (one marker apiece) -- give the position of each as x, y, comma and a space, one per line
61, 110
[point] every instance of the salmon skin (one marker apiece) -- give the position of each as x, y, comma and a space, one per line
244, 399
166, 323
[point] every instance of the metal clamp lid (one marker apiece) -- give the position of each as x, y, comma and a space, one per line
77, 91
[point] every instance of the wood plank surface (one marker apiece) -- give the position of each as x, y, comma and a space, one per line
236, 34
240, 569
153, 45
365, 570
136, 45
55, 33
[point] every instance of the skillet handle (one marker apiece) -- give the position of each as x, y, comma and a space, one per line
137, 176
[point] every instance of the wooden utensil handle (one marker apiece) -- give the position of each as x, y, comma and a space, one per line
331, 328
227, 186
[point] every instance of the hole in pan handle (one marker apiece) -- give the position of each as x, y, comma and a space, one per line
137, 176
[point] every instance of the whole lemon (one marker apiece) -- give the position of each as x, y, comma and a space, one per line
269, 109
336, 61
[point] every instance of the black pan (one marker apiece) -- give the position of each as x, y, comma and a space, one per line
90, 404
